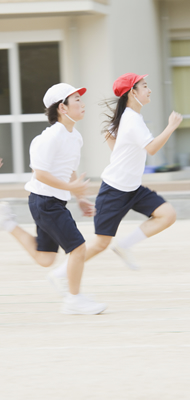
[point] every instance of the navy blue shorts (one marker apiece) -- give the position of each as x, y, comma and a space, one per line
55, 224
113, 204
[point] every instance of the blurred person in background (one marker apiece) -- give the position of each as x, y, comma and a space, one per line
1, 162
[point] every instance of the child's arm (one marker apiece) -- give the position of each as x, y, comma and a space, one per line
85, 205
73, 176
77, 186
175, 120
110, 140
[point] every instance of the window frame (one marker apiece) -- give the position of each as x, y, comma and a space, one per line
11, 41
181, 62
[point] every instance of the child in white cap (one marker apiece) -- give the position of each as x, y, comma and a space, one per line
54, 158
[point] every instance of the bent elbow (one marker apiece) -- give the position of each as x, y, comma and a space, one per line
151, 152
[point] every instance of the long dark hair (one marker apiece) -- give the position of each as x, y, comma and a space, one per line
52, 113
112, 123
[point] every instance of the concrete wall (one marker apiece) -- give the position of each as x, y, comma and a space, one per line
96, 75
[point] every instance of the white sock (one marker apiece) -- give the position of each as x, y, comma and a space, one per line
10, 226
135, 237
61, 270
73, 296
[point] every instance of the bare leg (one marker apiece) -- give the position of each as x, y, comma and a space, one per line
45, 259
75, 268
163, 217
100, 243
75, 263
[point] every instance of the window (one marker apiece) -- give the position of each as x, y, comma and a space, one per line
27, 70
39, 69
180, 51
4, 83
180, 61
6, 148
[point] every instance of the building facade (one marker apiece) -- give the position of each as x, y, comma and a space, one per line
90, 43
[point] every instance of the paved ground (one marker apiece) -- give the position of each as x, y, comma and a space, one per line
139, 349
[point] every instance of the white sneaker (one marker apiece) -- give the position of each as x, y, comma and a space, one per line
59, 284
80, 304
7, 221
126, 256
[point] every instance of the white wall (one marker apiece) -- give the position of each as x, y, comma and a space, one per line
135, 37
96, 74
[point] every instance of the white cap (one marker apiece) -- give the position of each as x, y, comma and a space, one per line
60, 92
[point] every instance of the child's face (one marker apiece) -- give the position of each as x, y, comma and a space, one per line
76, 107
143, 92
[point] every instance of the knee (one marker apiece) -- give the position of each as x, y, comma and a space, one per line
102, 244
81, 251
45, 259
45, 263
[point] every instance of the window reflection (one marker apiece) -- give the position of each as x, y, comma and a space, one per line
4, 83
30, 130
6, 148
39, 69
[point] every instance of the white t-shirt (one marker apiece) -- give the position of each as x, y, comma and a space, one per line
56, 151
128, 157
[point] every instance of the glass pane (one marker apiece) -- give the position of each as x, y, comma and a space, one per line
6, 149
183, 146
4, 83
30, 130
39, 66
180, 48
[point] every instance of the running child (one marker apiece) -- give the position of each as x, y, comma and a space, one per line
130, 140
54, 158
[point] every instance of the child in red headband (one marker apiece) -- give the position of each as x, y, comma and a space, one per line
130, 140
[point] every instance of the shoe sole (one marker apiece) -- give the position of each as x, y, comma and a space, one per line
72, 312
